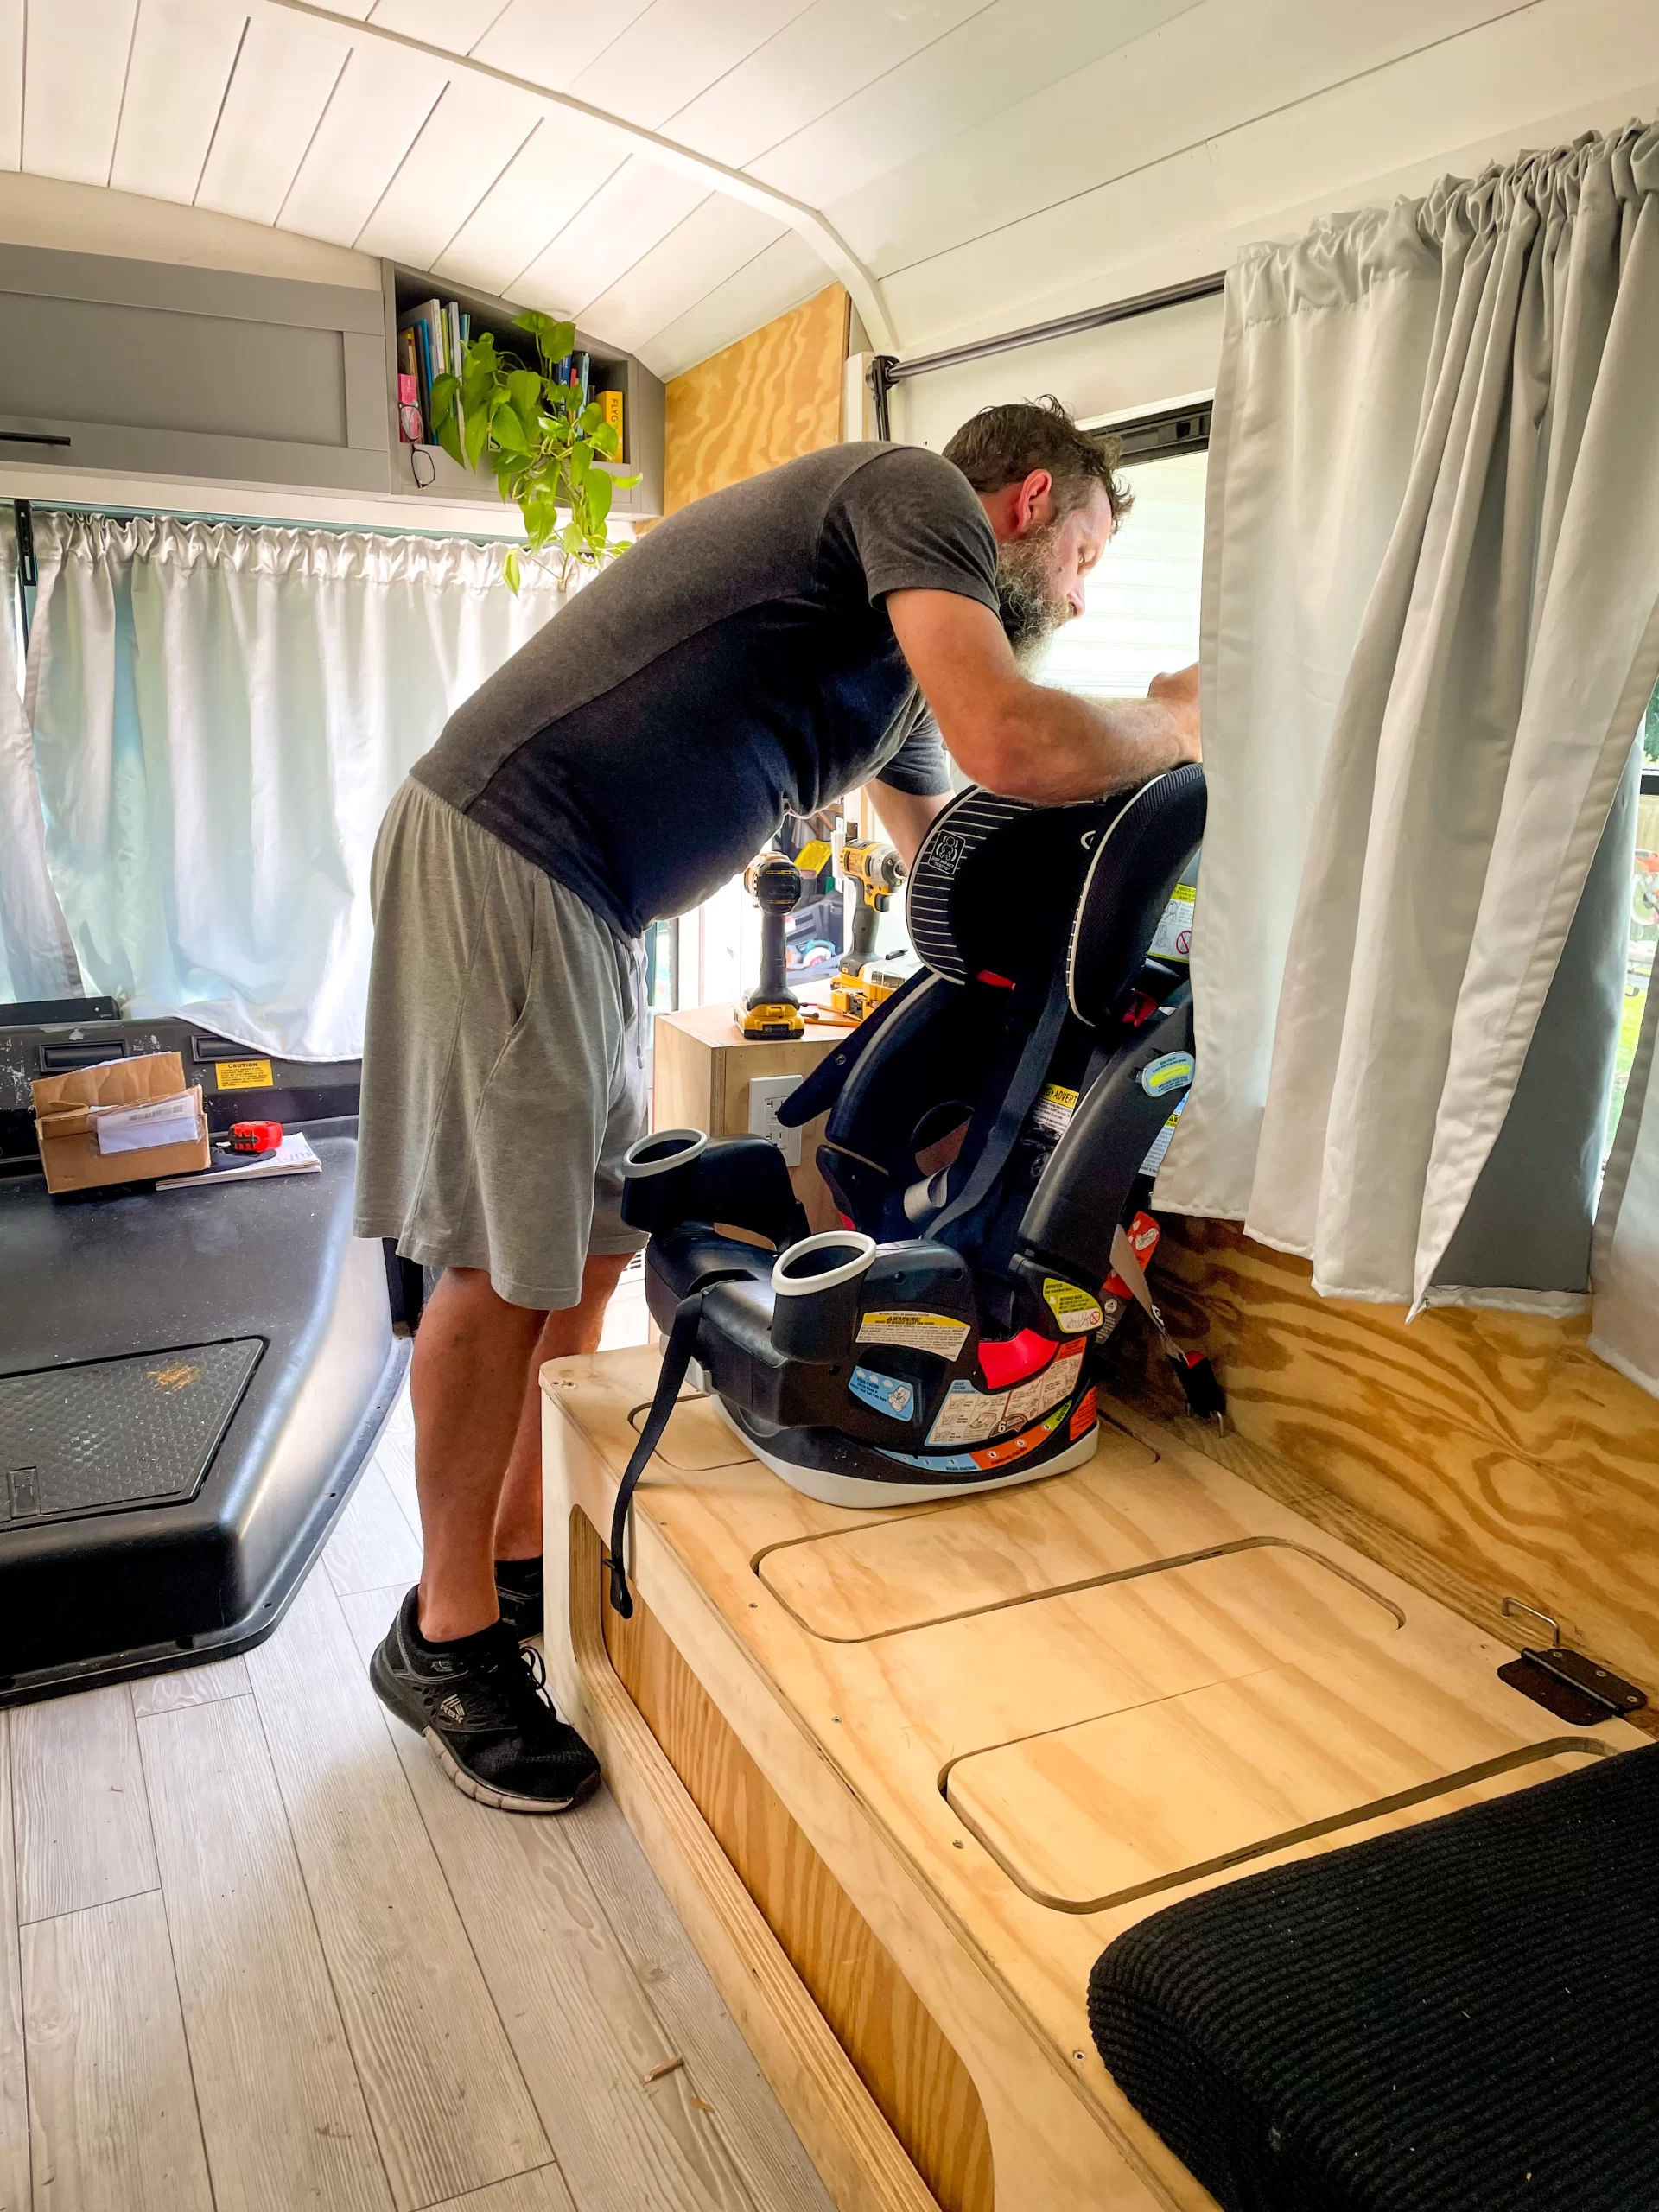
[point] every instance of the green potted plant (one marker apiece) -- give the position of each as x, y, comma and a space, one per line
543, 445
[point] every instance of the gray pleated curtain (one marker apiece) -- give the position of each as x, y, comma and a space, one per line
1431, 625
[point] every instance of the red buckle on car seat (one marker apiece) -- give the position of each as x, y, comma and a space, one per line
1010, 1362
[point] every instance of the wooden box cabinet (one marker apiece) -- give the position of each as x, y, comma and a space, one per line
702, 1069
905, 1774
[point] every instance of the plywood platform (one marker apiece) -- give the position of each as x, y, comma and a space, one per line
1004, 1729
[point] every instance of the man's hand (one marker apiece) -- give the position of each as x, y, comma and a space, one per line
1021, 739
1181, 690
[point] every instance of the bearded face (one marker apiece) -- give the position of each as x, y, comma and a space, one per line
1029, 599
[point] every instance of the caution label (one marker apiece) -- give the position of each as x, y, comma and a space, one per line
1077, 1311
246, 1075
939, 1334
1052, 1112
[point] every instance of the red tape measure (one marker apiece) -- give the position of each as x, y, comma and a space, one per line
256, 1136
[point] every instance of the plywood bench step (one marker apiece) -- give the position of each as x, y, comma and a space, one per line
1009, 1727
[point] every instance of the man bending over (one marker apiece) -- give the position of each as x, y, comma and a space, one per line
770, 648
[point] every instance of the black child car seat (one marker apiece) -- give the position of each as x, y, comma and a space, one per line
990, 1133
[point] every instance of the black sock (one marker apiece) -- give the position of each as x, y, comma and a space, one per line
464, 1648
522, 1576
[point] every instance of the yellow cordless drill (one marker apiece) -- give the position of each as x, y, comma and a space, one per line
771, 1009
861, 985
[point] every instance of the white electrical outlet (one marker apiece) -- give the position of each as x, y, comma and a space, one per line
767, 1094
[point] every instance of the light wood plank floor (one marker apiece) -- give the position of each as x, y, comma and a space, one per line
256, 1955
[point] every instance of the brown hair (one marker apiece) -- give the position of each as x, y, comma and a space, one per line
1004, 445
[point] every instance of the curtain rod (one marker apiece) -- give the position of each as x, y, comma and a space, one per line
886, 370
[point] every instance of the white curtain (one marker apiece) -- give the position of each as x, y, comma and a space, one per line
37, 960
1430, 627
220, 716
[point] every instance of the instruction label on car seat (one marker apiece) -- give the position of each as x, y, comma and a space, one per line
887, 1394
1169, 1071
968, 1415
1173, 940
1077, 1311
1154, 1158
1057, 1380
939, 1334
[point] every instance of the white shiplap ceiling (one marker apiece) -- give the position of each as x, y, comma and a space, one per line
674, 172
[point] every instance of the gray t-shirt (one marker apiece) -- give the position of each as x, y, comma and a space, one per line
736, 664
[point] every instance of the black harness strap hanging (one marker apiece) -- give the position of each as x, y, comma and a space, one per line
1017, 1102
677, 1358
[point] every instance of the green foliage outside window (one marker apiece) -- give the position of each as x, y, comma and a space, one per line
543, 445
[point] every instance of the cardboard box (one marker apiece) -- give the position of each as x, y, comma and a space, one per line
63, 1122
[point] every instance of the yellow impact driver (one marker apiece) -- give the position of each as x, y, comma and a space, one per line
877, 872
771, 1009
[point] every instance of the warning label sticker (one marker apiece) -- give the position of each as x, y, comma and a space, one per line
939, 1334
1154, 1158
967, 1416
1052, 1112
1057, 1380
887, 1394
1076, 1310
246, 1075
1173, 940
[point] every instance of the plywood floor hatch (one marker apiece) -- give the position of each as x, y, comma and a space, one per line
1089, 1816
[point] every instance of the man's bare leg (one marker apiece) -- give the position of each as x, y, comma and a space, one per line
518, 1518
466, 1385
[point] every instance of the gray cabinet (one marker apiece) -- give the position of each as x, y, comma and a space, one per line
152, 369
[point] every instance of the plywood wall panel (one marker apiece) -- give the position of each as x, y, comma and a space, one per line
771, 398
1482, 1453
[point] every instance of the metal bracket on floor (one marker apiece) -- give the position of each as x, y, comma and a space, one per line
1564, 1682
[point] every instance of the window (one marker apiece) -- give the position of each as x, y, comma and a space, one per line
1141, 617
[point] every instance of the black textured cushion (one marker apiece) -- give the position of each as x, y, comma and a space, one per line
1462, 2017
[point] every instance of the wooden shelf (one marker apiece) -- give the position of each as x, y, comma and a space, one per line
403, 290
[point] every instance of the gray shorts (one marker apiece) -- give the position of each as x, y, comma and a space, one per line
503, 1060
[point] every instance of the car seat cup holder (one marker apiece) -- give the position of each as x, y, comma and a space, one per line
659, 1174
816, 1286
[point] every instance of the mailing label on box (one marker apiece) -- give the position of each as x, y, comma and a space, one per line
968, 1415
246, 1075
1057, 1380
886, 1392
939, 1334
143, 1129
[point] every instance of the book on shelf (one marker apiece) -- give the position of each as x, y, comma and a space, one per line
412, 427
611, 401
436, 332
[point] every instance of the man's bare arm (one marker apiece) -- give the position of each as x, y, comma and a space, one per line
1020, 738
905, 816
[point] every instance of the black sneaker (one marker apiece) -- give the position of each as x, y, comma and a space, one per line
480, 1704
518, 1587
